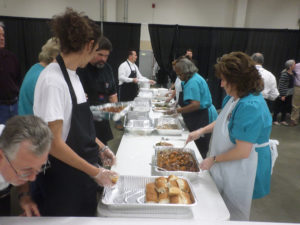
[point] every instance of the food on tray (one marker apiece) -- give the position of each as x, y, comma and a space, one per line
163, 144
168, 126
176, 160
114, 109
171, 193
162, 105
161, 108
151, 194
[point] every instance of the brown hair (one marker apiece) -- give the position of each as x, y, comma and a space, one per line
239, 70
74, 30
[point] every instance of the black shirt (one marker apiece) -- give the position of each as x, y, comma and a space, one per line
10, 75
98, 83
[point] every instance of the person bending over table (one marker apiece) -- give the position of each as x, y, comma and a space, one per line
69, 187
195, 100
239, 157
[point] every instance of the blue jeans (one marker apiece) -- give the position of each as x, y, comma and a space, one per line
8, 111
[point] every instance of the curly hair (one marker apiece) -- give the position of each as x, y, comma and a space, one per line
49, 51
74, 30
239, 70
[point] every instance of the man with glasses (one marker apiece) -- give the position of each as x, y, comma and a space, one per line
24, 146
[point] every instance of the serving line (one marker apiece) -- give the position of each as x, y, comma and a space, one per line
136, 152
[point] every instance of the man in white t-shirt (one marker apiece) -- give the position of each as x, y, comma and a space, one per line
129, 77
24, 146
270, 92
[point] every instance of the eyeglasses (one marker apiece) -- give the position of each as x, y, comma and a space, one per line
30, 171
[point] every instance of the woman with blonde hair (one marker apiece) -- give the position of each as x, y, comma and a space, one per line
48, 54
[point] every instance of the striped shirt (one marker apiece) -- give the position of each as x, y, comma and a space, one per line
286, 84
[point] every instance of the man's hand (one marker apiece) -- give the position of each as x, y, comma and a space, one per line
135, 80
107, 157
30, 208
152, 82
283, 98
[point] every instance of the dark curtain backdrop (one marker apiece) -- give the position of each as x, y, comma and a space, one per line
163, 39
209, 43
123, 36
26, 36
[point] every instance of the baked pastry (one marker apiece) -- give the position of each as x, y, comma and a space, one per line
161, 184
174, 191
163, 198
172, 177
185, 198
151, 194
183, 185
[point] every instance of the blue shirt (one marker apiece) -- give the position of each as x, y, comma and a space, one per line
25, 106
196, 89
251, 121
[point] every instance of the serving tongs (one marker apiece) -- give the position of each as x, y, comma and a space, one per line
160, 168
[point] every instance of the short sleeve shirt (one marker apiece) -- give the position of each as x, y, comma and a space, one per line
52, 99
250, 120
196, 89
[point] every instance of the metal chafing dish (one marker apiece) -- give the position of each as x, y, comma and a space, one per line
129, 194
168, 121
138, 123
187, 174
145, 94
141, 104
99, 113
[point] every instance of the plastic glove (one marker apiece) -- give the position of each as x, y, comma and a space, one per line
207, 163
194, 135
107, 157
30, 207
106, 178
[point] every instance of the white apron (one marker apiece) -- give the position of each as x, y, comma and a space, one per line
234, 179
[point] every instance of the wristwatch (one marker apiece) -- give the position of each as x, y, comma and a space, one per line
215, 159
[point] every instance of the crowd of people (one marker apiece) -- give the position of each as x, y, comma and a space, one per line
49, 126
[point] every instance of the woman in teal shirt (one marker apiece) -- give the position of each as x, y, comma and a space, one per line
239, 158
48, 54
195, 101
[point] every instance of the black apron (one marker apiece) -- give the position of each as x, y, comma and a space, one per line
194, 121
128, 91
67, 191
103, 130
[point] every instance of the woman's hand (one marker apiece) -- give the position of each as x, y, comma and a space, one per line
194, 135
207, 163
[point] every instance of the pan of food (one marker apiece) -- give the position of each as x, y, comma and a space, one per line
177, 161
168, 126
152, 194
110, 111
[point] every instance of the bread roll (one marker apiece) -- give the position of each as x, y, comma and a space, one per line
185, 198
151, 194
172, 177
183, 185
174, 191
175, 199
161, 185
172, 183
163, 198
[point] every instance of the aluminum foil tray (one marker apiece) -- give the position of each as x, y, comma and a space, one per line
168, 120
138, 126
129, 193
99, 114
146, 94
186, 174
